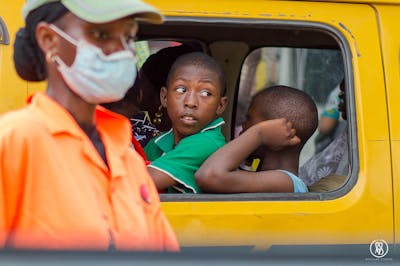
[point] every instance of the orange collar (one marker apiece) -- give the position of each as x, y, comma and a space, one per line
112, 127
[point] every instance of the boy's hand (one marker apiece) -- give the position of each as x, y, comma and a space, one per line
277, 133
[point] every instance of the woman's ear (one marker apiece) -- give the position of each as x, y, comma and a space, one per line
163, 96
47, 39
222, 105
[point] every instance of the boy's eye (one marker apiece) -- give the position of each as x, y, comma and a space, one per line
205, 93
180, 89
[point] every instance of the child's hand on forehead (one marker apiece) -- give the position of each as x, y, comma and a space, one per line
277, 133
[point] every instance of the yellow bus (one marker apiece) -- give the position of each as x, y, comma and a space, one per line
311, 45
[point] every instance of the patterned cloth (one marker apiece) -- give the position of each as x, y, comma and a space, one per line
142, 129
142, 52
334, 159
331, 105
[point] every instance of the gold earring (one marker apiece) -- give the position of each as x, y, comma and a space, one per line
158, 115
49, 57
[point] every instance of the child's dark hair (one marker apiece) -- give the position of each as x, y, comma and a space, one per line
157, 66
286, 102
29, 59
202, 60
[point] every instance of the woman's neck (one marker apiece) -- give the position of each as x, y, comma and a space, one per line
83, 112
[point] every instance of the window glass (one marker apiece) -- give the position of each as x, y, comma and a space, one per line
145, 48
307, 58
315, 71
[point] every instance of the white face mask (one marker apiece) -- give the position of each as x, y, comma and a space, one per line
94, 76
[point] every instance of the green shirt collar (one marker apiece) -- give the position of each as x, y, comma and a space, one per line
166, 141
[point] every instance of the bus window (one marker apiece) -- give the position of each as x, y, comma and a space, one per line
313, 58
315, 71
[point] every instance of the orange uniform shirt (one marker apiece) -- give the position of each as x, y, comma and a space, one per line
57, 193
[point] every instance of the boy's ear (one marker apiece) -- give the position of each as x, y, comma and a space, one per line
163, 96
222, 105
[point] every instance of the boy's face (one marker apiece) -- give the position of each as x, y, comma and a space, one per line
253, 116
193, 99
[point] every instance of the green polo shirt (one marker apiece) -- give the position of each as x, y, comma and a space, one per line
182, 161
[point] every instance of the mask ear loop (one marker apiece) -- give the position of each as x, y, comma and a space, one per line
56, 58
63, 34
51, 58
61, 64
126, 46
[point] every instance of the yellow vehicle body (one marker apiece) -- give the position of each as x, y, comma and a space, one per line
367, 211
365, 208
13, 90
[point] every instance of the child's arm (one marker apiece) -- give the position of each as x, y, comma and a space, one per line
176, 167
161, 179
219, 172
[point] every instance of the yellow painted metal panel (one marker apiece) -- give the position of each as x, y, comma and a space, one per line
362, 215
390, 34
392, 2
13, 90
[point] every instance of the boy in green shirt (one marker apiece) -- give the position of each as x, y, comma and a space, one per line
194, 98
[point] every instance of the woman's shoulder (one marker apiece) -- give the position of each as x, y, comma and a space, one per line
21, 122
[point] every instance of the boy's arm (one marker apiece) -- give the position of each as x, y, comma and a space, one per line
177, 167
161, 179
219, 172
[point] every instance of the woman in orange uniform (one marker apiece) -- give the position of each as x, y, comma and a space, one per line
69, 178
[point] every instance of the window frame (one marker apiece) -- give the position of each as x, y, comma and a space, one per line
353, 149
4, 36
